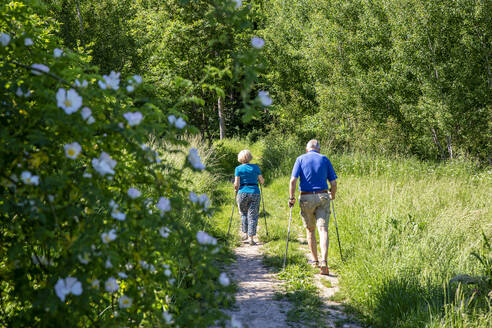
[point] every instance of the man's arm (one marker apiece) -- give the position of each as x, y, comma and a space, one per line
292, 191
333, 188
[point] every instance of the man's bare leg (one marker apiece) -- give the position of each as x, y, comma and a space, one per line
323, 242
311, 238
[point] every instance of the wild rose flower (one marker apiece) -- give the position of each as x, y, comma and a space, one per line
19, 92
125, 302
38, 68
108, 236
164, 232
180, 123
257, 42
133, 118
164, 204
67, 286
264, 98
87, 115
95, 283
28, 42
238, 3
130, 88
82, 84
111, 285
111, 81
57, 52
167, 272
108, 264
137, 78
118, 215
205, 239
195, 159
193, 197
87, 175
168, 317
134, 193
28, 178
84, 258
224, 279
72, 150
171, 119
90, 120
4, 39
104, 164
69, 101
203, 200
122, 275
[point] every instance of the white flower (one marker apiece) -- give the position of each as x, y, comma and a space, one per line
137, 78
87, 175
118, 215
203, 199
69, 101
111, 81
205, 239
236, 323
84, 258
57, 52
125, 302
86, 113
104, 164
108, 236
19, 92
144, 264
28, 42
67, 286
134, 193
108, 264
164, 232
95, 283
82, 84
90, 120
257, 42
164, 204
168, 317
113, 204
133, 118
195, 159
38, 68
51, 198
264, 98
111, 285
28, 178
122, 275
4, 39
193, 197
167, 272
224, 279
130, 88
72, 150
180, 123
171, 119
238, 3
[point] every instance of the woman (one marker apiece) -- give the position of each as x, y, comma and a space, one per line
248, 194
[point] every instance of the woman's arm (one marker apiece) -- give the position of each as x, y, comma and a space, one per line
236, 183
260, 178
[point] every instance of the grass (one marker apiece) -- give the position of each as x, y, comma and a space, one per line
406, 227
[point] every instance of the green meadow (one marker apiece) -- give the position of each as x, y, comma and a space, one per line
406, 227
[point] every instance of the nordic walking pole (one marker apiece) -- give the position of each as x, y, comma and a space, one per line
336, 227
264, 213
232, 214
288, 234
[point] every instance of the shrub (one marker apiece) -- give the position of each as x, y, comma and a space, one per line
97, 229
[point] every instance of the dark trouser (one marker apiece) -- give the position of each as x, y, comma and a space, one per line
249, 208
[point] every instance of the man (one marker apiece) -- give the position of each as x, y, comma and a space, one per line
314, 171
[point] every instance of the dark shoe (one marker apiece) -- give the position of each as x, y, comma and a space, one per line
252, 243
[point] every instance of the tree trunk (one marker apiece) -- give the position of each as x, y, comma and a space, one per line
450, 147
437, 143
81, 25
221, 118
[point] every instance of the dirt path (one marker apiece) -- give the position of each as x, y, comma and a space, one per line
255, 304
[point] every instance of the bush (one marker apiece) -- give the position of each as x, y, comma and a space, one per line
97, 228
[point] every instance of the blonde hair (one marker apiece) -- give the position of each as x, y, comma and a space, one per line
244, 156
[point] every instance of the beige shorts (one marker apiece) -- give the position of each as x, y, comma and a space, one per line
315, 210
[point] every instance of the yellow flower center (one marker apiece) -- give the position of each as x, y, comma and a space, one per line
67, 103
28, 180
107, 239
71, 152
126, 302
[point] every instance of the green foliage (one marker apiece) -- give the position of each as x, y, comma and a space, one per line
85, 200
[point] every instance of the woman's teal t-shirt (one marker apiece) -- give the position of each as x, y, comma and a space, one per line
248, 178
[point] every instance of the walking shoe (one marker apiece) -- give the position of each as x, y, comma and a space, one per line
252, 243
323, 269
244, 237
313, 263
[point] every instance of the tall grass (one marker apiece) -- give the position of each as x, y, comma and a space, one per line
406, 227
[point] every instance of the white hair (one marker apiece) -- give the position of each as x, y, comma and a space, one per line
313, 144
244, 156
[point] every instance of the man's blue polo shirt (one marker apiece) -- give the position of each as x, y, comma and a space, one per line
314, 169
